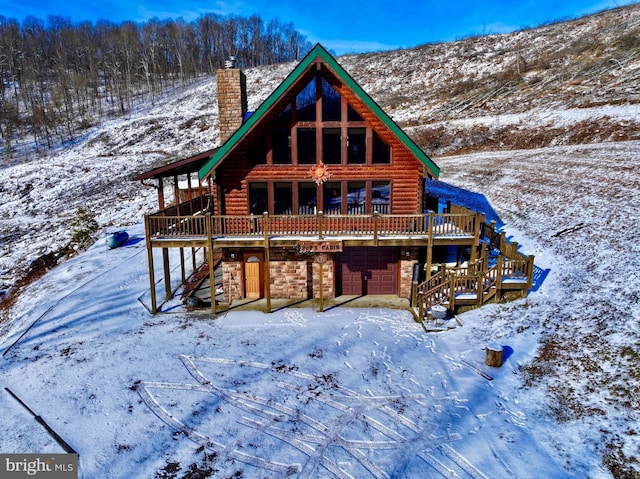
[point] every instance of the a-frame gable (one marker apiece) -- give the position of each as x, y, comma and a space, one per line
318, 53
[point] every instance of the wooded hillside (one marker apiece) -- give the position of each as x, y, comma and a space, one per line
57, 77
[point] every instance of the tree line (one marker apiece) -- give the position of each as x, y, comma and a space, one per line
59, 77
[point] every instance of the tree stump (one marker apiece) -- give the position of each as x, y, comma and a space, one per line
494, 355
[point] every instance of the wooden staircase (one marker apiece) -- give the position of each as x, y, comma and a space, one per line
478, 283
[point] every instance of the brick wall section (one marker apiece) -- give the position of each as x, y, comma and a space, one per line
406, 271
232, 100
232, 279
289, 274
293, 276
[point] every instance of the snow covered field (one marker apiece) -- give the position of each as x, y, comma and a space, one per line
345, 393
354, 392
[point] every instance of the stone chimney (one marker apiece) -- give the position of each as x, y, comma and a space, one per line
232, 98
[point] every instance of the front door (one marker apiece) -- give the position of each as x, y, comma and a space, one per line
252, 275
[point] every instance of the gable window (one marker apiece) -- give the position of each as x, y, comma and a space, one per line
306, 102
306, 146
381, 152
357, 149
257, 153
281, 145
332, 146
331, 102
353, 115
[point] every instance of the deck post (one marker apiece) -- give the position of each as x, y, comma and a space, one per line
167, 273
319, 219
429, 245
267, 267
183, 273
499, 277
320, 287
212, 279
452, 291
152, 280
530, 268
376, 217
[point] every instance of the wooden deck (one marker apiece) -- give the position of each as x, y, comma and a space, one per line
481, 281
354, 230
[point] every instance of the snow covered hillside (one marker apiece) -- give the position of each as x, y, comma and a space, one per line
127, 389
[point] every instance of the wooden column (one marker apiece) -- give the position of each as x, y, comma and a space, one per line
212, 279
429, 246
267, 267
183, 273
160, 194
321, 286
152, 281
167, 273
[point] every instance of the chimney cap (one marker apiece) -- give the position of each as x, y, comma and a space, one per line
232, 62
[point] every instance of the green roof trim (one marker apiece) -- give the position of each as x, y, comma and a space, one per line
315, 52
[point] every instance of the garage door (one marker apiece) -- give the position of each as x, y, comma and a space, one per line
363, 271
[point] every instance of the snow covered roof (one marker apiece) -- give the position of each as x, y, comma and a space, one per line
181, 167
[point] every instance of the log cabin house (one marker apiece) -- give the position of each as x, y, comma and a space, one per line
318, 194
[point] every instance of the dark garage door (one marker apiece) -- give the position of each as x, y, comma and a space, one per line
367, 271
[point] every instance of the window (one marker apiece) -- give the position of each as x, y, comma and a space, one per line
356, 198
381, 152
258, 203
307, 198
380, 196
281, 145
284, 117
282, 199
353, 115
332, 198
357, 149
257, 153
306, 103
331, 103
332, 146
306, 146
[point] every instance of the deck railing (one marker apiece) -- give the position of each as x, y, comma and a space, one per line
477, 282
320, 225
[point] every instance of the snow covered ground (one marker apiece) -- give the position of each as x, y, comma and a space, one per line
354, 392
345, 393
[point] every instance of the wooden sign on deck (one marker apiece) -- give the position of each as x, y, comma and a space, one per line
319, 247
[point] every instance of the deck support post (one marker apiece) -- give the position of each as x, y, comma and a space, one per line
429, 246
167, 273
267, 267
320, 217
376, 218
152, 280
499, 277
320, 287
212, 279
183, 273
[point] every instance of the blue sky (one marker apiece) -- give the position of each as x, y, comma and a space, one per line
344, 26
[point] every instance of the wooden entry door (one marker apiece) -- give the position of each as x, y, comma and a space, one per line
253, 275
